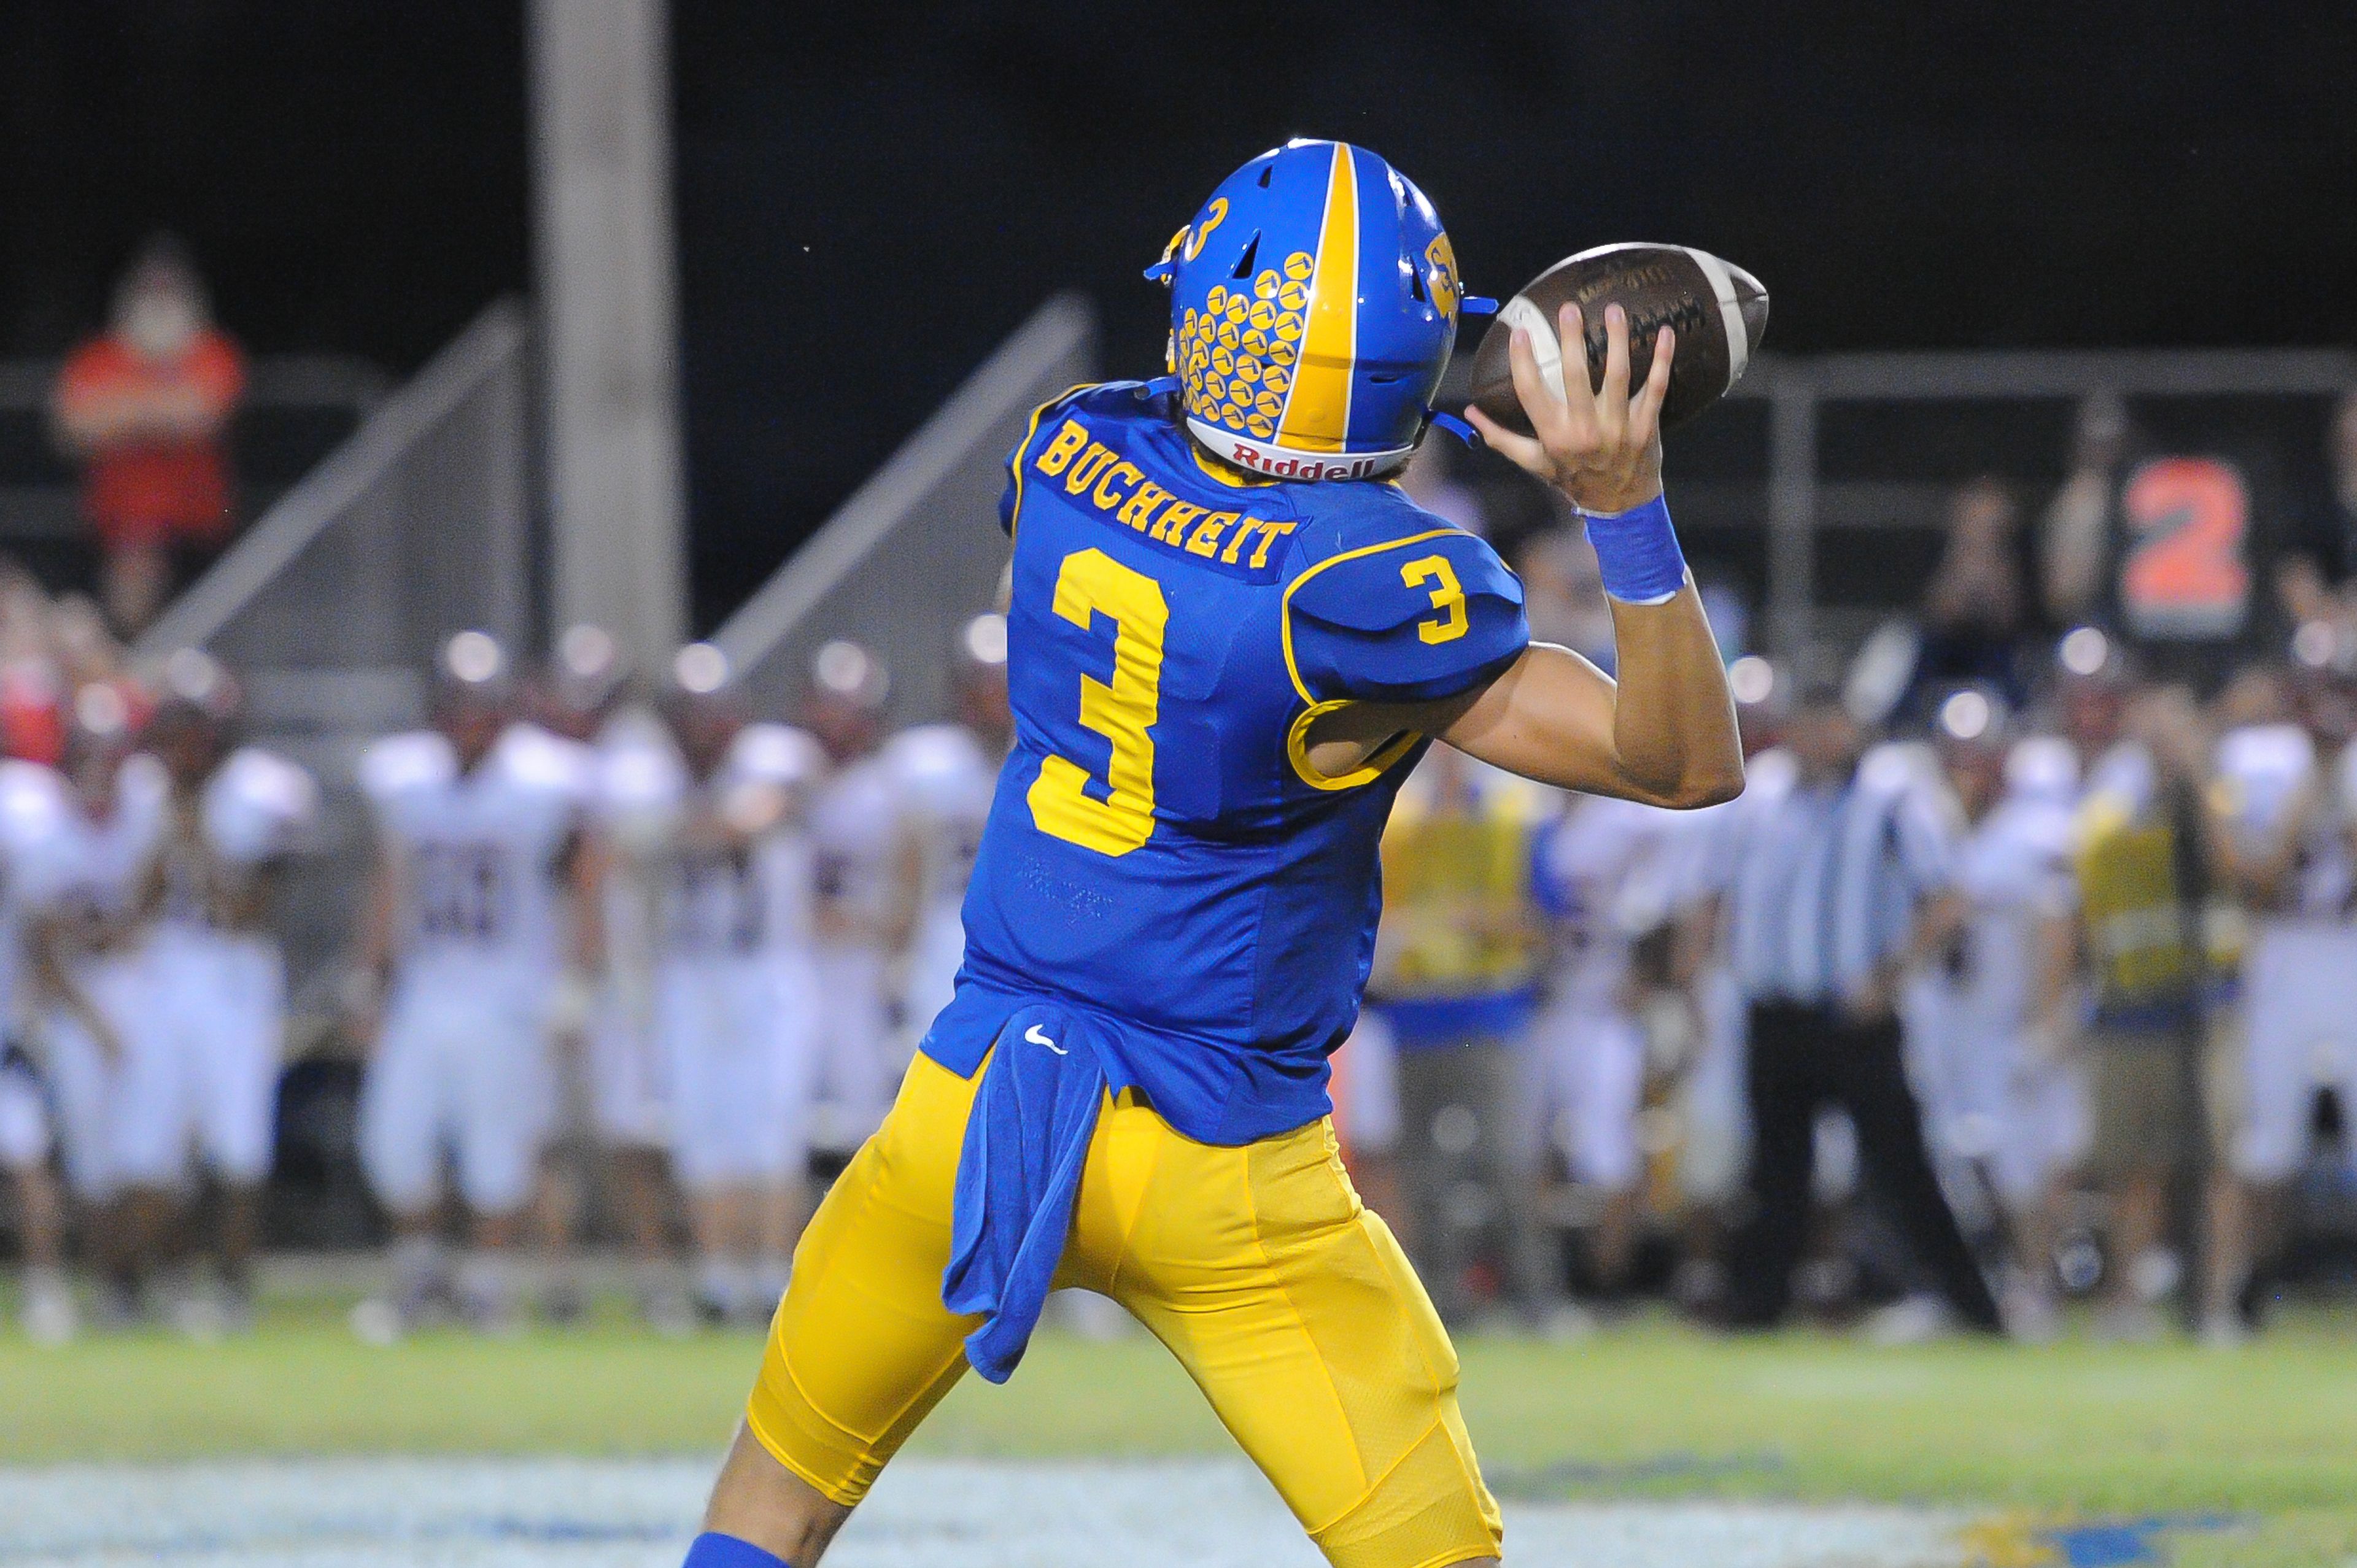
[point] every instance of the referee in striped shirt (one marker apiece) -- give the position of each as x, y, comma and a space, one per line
1831, 890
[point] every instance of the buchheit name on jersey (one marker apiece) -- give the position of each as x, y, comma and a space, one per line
1097, 474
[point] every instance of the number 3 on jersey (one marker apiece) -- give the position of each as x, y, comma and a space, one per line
1447, 596
1091, 584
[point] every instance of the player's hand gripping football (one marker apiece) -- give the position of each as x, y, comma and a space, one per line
1602, 449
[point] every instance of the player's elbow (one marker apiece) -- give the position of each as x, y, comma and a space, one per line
1694, 787
1715, 791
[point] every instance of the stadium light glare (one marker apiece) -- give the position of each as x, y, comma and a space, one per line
986, 639
1966, 715
585, 650
192, 674
843, 668
472, 657
700, 669
2086, 650
99, 709
1752, 677
2315, 643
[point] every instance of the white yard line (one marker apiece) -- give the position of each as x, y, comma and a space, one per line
927, 1513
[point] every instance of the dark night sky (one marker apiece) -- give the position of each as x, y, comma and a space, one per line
871, 196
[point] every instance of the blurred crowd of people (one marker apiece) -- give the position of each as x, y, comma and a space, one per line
1953, 1020
2012, 976
617, 935
137, 974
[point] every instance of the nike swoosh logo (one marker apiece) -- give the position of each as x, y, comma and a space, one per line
1033, 1035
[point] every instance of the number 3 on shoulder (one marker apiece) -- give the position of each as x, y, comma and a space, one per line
1447, 598
1090, 584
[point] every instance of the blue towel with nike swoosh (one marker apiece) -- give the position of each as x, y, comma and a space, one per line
1027, 1141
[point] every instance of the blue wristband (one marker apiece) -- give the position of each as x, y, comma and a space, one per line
713, 1549
1637, 552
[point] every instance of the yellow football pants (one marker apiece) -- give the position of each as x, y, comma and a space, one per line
1290, 1305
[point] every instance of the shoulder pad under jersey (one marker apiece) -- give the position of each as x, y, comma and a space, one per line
1415, 617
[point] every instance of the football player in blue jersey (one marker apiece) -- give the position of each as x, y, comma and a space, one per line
1230, 639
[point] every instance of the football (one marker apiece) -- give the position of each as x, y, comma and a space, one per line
1718, 311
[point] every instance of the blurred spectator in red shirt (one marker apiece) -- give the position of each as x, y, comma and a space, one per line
146, 407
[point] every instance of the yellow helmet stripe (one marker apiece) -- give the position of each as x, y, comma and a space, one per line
1317, 410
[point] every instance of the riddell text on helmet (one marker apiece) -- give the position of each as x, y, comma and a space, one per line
1245, 456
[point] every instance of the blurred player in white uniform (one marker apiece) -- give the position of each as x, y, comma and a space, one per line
233, 814
2291, 808
476, 826
641, 782
1997, 1005
121, 1102
575, 697
734, 999
32, 809
946, 774
1604, 876
868, 870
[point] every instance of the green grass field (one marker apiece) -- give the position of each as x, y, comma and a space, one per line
2078, 1429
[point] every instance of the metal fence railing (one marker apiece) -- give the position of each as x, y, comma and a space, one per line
1821, 487
417, 524
915, 551
1819, 490
1863, 450
296, 409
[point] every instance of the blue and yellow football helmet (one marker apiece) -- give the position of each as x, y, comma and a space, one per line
1313, 305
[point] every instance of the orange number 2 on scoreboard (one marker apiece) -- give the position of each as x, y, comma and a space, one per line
2185, 575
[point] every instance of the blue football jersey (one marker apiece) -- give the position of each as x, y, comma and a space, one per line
1160, 851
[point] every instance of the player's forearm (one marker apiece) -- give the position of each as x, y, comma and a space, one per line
1673, 729
1665, 736
1670, 739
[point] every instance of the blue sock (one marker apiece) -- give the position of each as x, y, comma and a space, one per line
714, 1549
